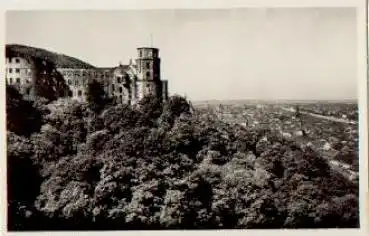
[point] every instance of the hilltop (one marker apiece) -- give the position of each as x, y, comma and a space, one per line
59, 60
250, 101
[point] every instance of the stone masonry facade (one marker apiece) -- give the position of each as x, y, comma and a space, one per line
126, 83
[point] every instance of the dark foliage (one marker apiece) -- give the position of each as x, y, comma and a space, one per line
161, 166
22, 117
151, 109
49, 83
96, 96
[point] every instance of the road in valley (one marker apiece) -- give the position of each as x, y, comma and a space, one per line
330, 118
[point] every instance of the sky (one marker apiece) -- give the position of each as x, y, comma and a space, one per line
222, 54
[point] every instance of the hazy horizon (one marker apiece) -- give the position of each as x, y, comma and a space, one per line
230, 54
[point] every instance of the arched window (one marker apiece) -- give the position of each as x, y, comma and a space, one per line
112, 87
148, 73
76, 82
70, 93
147, 65
79, 93
10, 80
120, 89
18, 81
70, 82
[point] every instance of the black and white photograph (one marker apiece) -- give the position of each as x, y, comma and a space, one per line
182, 119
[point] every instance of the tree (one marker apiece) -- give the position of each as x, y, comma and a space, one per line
160, 167
151, 108
22, 117
95, 96
298, 115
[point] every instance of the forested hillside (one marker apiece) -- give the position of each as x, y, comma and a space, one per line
59, 60
161, 166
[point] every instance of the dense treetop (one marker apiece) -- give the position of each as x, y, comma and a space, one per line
164, 165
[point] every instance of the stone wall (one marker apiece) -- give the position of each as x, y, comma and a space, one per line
20, 73
126, 83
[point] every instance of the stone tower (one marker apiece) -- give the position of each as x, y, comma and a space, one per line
148, 73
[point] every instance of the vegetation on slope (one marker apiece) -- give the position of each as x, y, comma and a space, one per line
159, 166
47, 82
59, 60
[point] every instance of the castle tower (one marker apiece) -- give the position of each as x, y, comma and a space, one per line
148, 72
148, 64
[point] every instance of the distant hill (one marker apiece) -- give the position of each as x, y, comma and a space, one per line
59, 60
245, 101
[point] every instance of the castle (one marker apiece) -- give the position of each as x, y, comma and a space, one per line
126, 83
